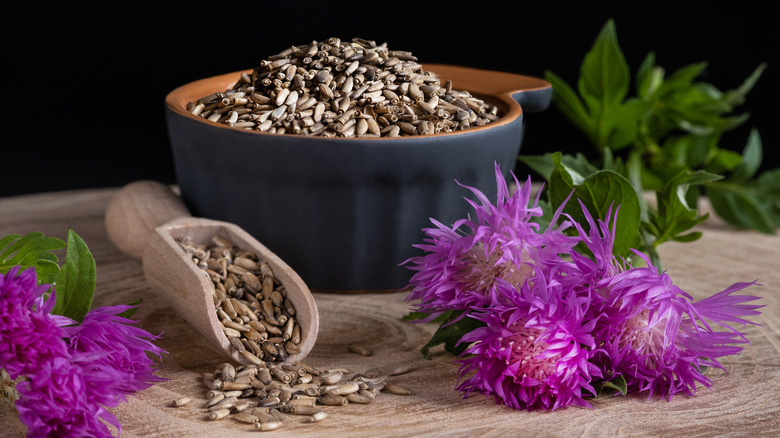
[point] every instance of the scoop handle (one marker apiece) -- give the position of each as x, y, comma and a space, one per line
136, 210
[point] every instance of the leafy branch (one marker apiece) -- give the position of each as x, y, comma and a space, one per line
663, 138
74, 281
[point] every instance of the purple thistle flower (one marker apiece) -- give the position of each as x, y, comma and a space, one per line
70, 373
28, 335
64, 399
534, 353
658, 338
120, 346
463, 263
600, 240
651, 332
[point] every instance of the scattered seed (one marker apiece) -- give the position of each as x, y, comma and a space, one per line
396, 389
219, 414
181, 401
357, 349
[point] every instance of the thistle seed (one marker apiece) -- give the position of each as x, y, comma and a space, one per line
360, 350
181, 401
358, 75
396, 389
219, 414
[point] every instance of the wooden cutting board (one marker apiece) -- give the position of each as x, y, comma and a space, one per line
744, 402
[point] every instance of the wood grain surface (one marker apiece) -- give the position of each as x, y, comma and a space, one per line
743, 402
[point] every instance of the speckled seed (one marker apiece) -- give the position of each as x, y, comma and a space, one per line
219, 414
181, 401
246, 418
332, 400
396, 389
330, 377
347, 388
318, 416
269, 425
359, 399
357, 349
299, 410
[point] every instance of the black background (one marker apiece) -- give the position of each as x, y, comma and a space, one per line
83, 106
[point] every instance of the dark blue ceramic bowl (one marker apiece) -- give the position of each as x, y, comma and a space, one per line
345, 212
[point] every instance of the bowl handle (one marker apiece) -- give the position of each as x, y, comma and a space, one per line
533, 94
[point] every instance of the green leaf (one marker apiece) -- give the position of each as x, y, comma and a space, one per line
739, 207
604, 74
691, 151
76, 285
681, 79
31, 250
450, 333
621, 130
769, 181
544, 165
644, 76
599, 192
570, 105
47, 271
737, 96
723, 160
541, 164
767, 184
617, 384
751, 159
130, 312
674, 215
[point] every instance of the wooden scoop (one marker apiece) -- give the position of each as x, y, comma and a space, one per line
144, 220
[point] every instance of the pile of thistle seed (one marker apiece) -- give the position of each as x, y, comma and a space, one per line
251, 304
272, 394
344, 89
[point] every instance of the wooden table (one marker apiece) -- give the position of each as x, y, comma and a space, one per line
744, 402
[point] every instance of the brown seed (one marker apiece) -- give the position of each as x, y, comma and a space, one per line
235, 386
181, 401
250, 281
344, 389
359, 398
251, 358
300, 410
332, 400
225, 403
308, 368
271, 328
257, 411
302, 402
331, 377
401, 369
396, 389
228, 373
269, 425
214, 399
231, 332
357, 349
270, 401
246, 418
219, 414
264, 375
269, 348
241, 406
318, 416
